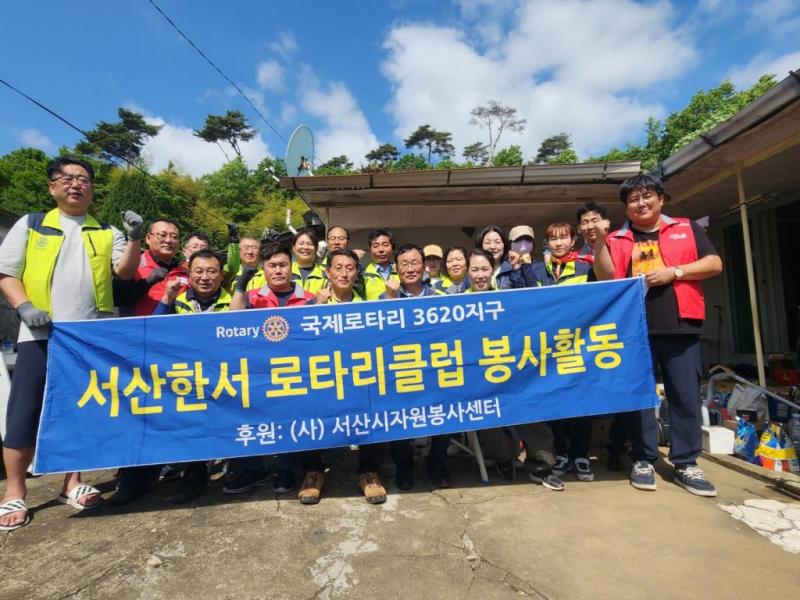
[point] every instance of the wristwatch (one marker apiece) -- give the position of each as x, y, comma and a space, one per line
678, 272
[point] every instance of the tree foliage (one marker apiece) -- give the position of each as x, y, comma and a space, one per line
496, 118
384, 155
508, 157
411, 162
23, 181
552, 147
338, 165
231, 128
476, 153
232, 188
121, 140
436, 142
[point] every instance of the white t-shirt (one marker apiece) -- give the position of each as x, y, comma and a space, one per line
72, 290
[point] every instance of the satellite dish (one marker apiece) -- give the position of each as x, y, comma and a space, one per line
300, 152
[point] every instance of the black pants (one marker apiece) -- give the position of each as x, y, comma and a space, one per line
370, 457
26, 396
679, 360
573, 437
619, 433
403, 452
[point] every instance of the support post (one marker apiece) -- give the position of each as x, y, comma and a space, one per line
751, 279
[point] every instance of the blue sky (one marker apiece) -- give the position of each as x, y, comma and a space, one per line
366, 72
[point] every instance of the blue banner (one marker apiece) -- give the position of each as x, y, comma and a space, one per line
169, 389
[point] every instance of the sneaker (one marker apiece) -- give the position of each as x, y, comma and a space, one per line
284, 481
506, 470
439, 477
370, 485
643, 476
404, 477
562, 466
549, 480
694, 481
169, 473
311, 490
583, 469
245, 481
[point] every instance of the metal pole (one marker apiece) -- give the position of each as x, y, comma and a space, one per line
751, 279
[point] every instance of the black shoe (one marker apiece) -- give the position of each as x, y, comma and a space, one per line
614, 463
692, 478
404, 478
284, 481
439, 477
245, 481
125, 496
506, 470
188, 491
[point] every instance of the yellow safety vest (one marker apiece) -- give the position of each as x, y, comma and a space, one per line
45, 237
314, 281
256, 282
184, 305
374, 282
356, 298
569, 275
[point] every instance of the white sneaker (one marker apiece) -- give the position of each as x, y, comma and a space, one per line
583, 469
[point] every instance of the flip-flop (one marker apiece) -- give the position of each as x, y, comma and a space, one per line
78, 492
14, 506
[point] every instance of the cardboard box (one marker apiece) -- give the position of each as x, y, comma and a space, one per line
718, 439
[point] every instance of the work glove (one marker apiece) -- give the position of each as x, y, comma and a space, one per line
156, 275
243, 279
32, 316
233, 233
133, 225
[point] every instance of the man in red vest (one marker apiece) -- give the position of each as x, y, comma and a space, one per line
673, 255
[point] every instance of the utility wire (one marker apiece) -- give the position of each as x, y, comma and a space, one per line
128, 162
217, 69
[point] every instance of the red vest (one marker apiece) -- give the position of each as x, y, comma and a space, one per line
147, 303
266, 298
678, 247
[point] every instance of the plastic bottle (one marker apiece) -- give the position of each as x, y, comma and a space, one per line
793, 429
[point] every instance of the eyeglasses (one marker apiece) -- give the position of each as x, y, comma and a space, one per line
247, 247
166, 236
66, 180
409, 265
337, 238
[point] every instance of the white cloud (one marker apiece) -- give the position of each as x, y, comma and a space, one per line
36, 139
288, 113
345, 129
775, 17
270, 76
285, 45
191, 154
584, 68
762, 64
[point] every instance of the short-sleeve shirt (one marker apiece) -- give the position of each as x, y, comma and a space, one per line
72, 289
661, 304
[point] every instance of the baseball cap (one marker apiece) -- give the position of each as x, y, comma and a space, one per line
520, 231
433, 250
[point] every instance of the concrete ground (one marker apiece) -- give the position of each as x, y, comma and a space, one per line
595, 540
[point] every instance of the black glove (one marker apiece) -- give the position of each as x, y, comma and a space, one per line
156, 275
233, 233
243, 279
32, 316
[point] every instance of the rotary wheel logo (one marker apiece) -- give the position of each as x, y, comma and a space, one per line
41, 242
275, 329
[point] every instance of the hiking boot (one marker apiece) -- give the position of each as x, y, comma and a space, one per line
506, 470
562, 466
245, 481
643, 476
614, 462
311, 490
370, 485
694, 481
583, 469
548, 479
404, 477
284, 481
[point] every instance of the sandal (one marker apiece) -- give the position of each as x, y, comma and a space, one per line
14, 506
78, 492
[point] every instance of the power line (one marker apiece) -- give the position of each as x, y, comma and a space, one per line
217, 69
128, 162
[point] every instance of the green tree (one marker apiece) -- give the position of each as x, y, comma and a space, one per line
424, 138
476, 153
338, 165
385, 155
411, 162
232, 189
266, 173
232, 128
508, 157
447, 163
551, 147
121, 140
566, 157
23, 181
442, 146
496, 118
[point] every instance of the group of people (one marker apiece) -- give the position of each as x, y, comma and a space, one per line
65, 265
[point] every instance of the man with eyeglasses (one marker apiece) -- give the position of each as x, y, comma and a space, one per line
55, 266
410, 263
673, 255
